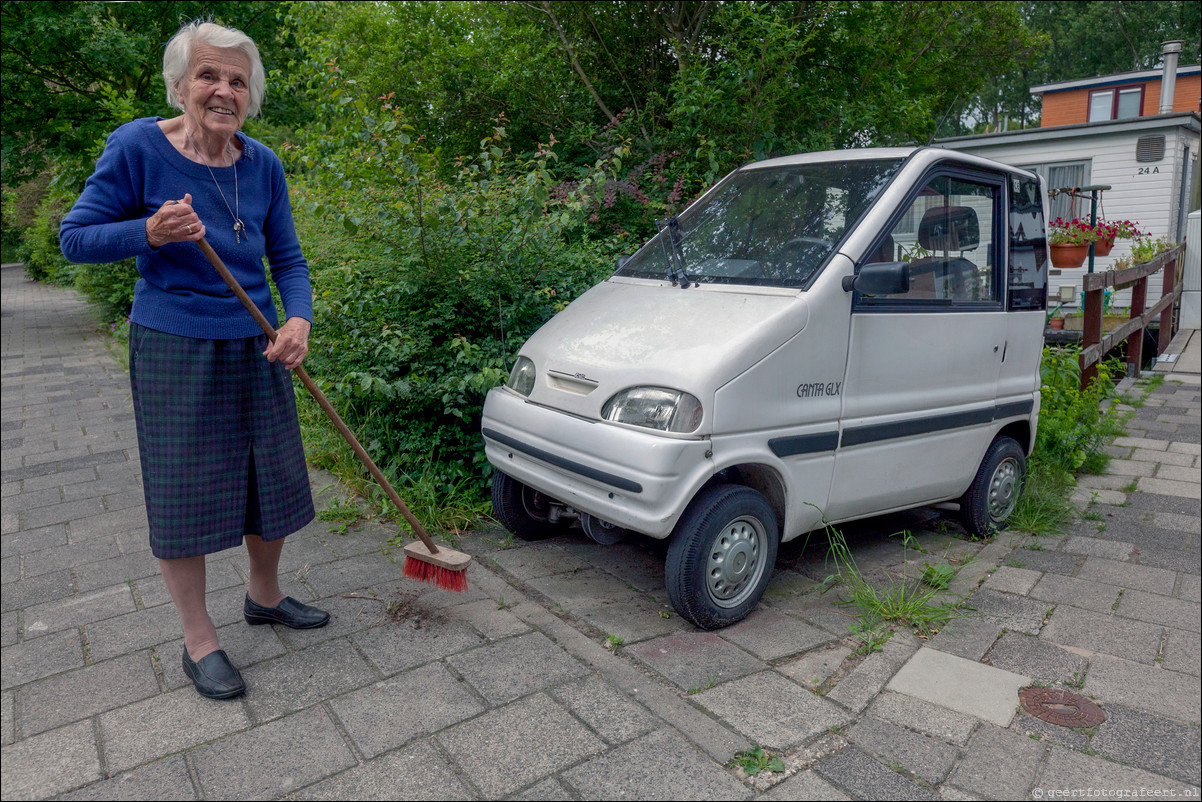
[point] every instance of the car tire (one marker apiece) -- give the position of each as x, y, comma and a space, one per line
991, 498
721, 555
521, 509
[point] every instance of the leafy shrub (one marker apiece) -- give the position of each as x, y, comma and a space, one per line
1074, 425
109, 287
39, 248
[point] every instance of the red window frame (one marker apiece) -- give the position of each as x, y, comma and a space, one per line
1114, 99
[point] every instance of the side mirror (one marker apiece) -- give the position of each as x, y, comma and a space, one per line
880, 278
622, 260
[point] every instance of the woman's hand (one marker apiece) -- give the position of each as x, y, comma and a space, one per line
291, 343
175, 221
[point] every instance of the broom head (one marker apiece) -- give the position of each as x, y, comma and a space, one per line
445, 568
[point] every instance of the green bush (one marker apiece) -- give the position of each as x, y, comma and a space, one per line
1074, 424
39, 248
109, 287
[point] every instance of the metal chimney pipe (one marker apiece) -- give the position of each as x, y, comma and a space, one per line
1169, 82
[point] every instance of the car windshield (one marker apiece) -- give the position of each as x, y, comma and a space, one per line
766, 226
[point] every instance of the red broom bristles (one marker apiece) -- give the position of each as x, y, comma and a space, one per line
443, 578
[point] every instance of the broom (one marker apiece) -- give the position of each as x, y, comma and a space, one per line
424, 561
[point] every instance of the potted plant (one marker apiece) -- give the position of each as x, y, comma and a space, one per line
1070, 242
1110, 231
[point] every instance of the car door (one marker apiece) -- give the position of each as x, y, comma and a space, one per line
920, 390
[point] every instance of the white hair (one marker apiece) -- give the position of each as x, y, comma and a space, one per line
177, 58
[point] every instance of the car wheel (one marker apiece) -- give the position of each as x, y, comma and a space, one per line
721, 556
521, 509
991, 498
602, 532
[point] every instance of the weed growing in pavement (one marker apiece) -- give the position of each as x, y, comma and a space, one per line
1077, 681
340, 515
906, 601
712, 682
614, 642
755, 760
938, 576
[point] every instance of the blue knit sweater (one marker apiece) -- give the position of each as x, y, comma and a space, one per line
179, 291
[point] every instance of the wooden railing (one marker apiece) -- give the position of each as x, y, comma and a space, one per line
1095, 344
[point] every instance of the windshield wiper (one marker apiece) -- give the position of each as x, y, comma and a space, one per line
670, 239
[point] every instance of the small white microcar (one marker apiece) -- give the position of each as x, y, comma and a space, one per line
818, 338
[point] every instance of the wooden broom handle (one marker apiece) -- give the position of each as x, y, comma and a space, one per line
342, 428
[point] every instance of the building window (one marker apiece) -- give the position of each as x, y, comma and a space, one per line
1065, 175
1118, 103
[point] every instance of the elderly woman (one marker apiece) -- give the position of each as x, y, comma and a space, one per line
218, 436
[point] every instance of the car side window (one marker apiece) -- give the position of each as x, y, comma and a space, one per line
948, 242
1028, 267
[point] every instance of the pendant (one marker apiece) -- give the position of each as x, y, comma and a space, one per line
239, 230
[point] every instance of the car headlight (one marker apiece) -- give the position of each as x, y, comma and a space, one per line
654, 408
521, 378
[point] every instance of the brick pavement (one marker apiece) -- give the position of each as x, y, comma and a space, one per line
509, 690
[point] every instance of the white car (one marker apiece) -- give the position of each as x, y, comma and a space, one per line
818, 338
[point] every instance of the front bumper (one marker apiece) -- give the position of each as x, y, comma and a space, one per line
634, 479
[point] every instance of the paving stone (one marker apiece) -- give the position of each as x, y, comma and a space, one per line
396, 646
865, 681
1041, 661
1164, 487
124, 568
1191, 524
1154, 690
36, 590
8, 727
661, 765
1044, 560
924, 757
490, 669
61, 513
50, 763
1159, 609
1183, 652
969, 636
1007, 579
535, 560
516, 745
69, 556
814, 668
961, 685
134, 631
299, 679
419, 771
74, 695
1125, 575
998, 764
805, 786
1048, 733
1110, 549
609, 604
31, 540
695, 660
166, 779
866, 778
1191, 588
35, 659
598, 704
1177, 473
1100, 632
234, 767
491, 621
353, 573
1150, 742
1160, 503
387, 714
770, 710
162, 725
770, 635
1076, 592
1066, 769
77, 610
1126, 467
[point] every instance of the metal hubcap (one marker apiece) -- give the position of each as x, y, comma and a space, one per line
735, 562
1003, 490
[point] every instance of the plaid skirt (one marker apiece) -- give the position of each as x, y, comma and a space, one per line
219, 442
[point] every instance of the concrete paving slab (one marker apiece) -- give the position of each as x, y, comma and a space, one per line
533, 560
1183, 652
1125, 575
1044, 560
1153, 743
78, 610
998, 764
660, 765
815, 667
396, 646
970, 637
865, 681
491, 669
865, 778
1008, 579
297, 680
926, 758
83, 692
514, 746
1066, 769
388, 714
962, 685
771, 635
923, 717
50, 763
1101, 632
770, 710
1041, 661
695, 661
234, 767
491, 620
419, 771
1082, 593
34, 659
805, 786
1191, 588
610, 713
163, 725
1110, 549
166, 779
1155, 690
1157, 609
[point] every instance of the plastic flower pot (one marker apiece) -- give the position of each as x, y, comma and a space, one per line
1069, 256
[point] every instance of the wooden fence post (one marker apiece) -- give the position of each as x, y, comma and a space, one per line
1166, 317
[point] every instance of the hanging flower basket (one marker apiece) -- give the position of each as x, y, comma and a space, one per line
1068, 257
1102, 247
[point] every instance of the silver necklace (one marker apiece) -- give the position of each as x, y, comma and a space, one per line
239, 228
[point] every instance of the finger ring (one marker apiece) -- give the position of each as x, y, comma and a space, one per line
189, 228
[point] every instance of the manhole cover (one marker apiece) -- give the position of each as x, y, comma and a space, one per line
1060, 707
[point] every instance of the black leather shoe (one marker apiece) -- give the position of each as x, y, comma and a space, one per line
214, 675
289, 612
